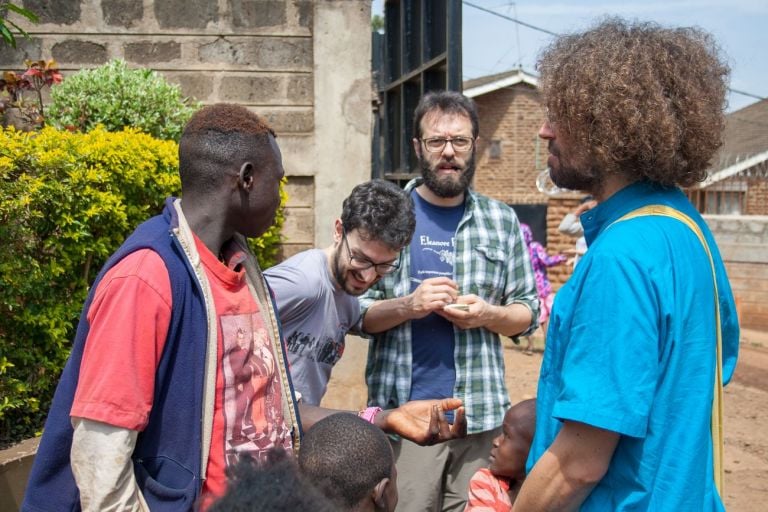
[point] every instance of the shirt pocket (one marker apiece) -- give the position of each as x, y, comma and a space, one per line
488, 268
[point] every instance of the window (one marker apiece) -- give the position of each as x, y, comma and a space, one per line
420, 51
725, 198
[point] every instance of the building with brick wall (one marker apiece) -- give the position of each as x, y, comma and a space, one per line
738, 178
510, 157
304, 65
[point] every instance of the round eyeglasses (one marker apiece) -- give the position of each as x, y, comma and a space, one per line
358, 263
437, 144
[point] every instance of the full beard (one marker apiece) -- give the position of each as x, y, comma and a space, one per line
573, 177
447, 186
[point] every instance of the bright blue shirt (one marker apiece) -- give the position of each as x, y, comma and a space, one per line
631, 349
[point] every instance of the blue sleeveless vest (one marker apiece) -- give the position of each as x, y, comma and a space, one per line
167, 457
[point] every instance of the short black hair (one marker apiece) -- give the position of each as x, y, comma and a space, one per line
345, 457
380, 211
447, 102
274, 485
218, 137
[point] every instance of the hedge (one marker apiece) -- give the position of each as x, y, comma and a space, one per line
67, 201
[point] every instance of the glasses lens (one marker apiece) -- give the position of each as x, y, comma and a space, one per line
385, 268
461, 143
434, 144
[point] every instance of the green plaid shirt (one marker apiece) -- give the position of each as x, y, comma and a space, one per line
492, 262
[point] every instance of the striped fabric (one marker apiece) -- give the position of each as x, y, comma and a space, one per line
488, 493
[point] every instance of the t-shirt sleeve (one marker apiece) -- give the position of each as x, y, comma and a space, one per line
129, 319
294, 291
610, 365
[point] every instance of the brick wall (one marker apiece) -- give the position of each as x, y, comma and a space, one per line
757, 197
511, 116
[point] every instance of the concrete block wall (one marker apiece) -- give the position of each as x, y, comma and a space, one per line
511, 116
743, 241
304, 65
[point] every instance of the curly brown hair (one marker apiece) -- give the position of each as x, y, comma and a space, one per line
638, 99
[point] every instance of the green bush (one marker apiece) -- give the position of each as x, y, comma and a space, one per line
116, 97
67, 201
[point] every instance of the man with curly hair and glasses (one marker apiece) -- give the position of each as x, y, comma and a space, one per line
629, 379
464, 280
316, 290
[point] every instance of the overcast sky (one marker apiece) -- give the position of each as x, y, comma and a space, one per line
492, 44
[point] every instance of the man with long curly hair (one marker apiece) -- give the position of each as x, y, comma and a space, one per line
626, 391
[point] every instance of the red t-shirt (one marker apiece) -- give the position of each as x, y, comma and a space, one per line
129, 319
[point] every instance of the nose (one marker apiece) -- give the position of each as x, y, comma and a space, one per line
546, 132
448, 151
369, 274
497, 441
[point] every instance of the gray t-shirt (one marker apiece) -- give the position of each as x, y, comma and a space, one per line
316, 315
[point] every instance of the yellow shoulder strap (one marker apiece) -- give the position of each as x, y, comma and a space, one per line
717, 402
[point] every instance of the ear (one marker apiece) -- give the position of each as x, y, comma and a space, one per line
379, 494
338, 228
417, 146
245, 176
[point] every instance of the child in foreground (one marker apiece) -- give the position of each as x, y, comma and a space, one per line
494, 489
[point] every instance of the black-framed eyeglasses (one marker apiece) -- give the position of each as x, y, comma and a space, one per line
437, 144
358, 263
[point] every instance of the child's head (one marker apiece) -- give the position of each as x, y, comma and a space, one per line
510, 448
351, 461
274, 484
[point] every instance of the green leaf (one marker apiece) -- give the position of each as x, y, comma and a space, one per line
22, 12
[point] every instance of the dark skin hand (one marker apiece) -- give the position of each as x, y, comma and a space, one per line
420, 421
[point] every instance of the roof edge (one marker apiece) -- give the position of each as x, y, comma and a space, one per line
518, 77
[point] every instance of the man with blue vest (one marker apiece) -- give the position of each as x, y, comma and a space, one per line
178, 366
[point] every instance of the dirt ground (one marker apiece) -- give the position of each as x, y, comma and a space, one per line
746, 409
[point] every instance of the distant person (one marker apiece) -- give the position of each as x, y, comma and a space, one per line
540, 261
316, 290
494, 489
436, 322
273, 484
351, 461
571, 225
624, 406
178, 368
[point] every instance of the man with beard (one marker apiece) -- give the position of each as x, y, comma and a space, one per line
630, 375
464, 280
316, 291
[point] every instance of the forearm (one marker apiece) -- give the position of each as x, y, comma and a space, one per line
385, 314
311, 414
567, 472
102, 467
547, 488
509, 320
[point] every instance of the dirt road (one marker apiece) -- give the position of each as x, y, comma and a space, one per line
746, 410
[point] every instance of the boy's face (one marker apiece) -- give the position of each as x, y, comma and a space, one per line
509, 452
